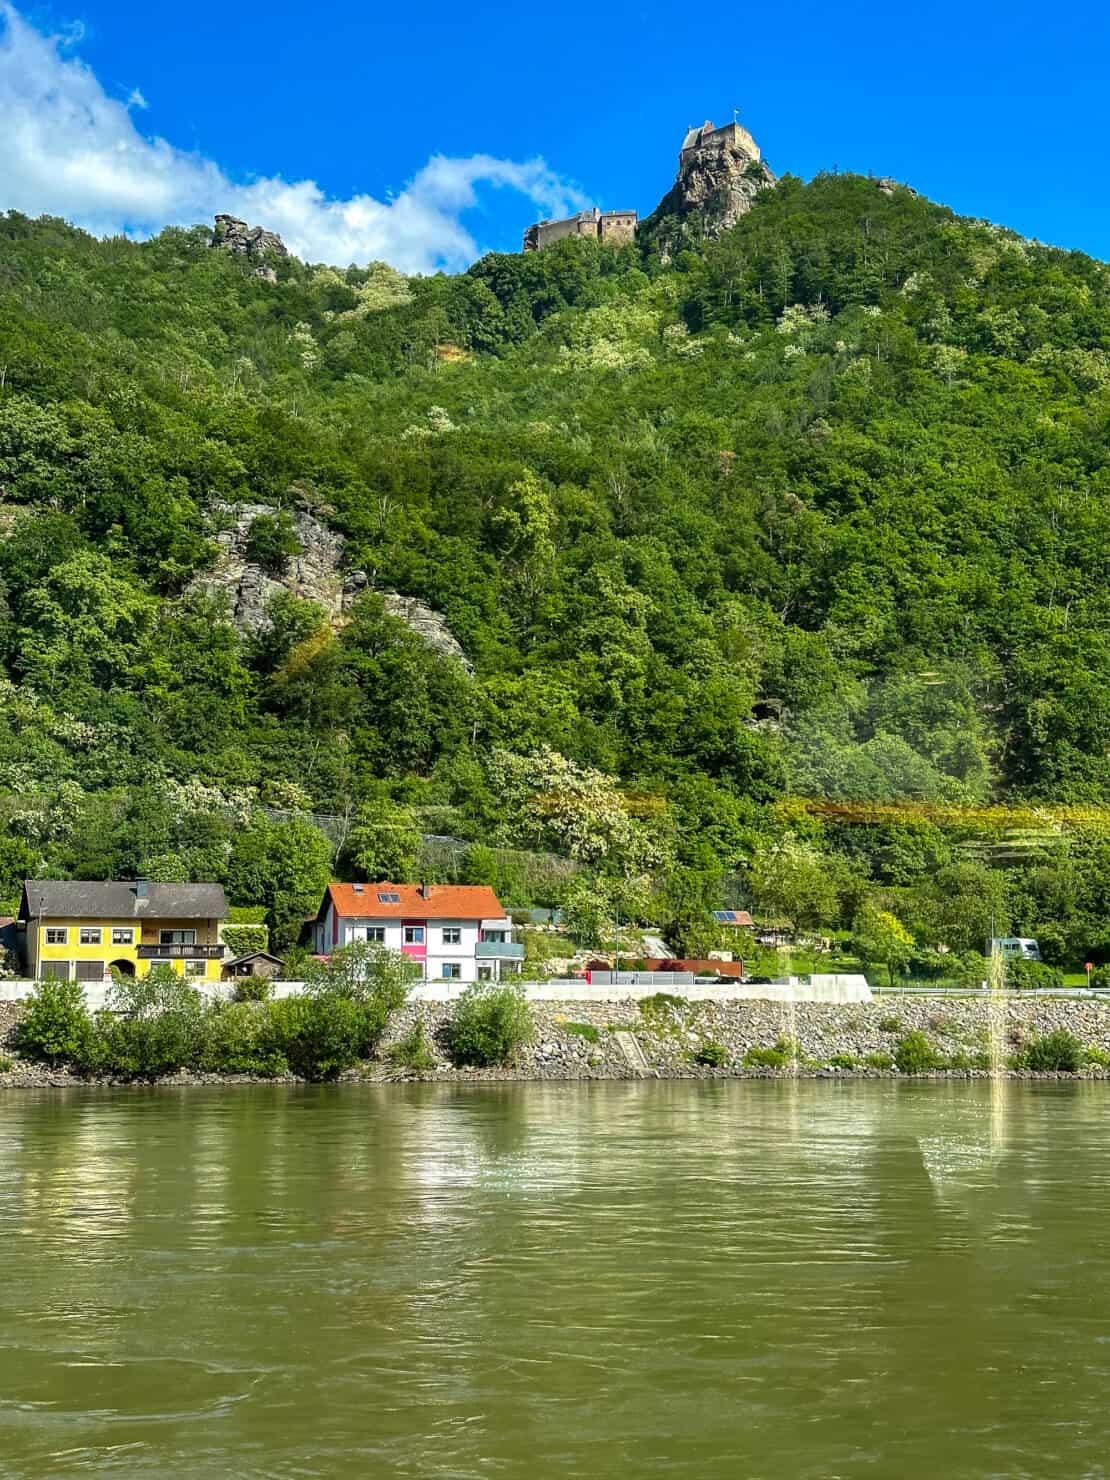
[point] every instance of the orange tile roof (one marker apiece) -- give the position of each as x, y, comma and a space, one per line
445, 902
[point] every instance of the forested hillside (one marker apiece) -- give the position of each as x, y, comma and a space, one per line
820, 509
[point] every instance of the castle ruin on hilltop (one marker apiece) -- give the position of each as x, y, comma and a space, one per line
615, 228
720, 173
728, 136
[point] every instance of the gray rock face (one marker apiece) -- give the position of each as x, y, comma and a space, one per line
889, 186
314, 574
720, 174
253, 242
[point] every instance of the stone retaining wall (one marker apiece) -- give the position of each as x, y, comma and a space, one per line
669, 1036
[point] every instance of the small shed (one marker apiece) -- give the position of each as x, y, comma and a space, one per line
253, 963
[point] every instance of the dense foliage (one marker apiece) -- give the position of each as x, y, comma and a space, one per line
489, 1025
818, 510
158, 1024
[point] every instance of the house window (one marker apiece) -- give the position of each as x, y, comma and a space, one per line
452, 971
485, 973
56, 970
123, 935
452, 935
368, 932
195, 968
414, 935
56, 935
90, 935
177, 937
494, 937
90, 971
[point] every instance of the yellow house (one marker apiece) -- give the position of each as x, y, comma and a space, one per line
82, 930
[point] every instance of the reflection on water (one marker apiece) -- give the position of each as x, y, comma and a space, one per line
722, 1279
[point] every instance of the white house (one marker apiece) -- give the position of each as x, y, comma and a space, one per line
456, 932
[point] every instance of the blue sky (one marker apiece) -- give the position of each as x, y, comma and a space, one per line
320, 120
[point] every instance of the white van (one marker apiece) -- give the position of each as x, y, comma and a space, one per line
1013, 946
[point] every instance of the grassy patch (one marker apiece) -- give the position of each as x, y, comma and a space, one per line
583, 1030
783, 1053
661, 1002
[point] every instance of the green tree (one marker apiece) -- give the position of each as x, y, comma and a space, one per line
284, 866
880, 938
272, 541
384, 842
377, 980
790, 881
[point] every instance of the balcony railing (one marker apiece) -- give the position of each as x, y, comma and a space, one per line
504, 950
178, 952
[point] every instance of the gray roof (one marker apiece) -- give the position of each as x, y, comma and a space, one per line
122, 899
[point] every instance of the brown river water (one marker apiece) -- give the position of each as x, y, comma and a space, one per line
726, 1279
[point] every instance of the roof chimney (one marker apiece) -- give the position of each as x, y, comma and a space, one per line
425, 890
142, 889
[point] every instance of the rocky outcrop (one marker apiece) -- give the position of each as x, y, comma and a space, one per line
889, 187
720, 174
253, 242
314, 573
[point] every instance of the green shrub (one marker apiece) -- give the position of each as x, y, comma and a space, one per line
56, 1023
414, 1051
1092, 1054
238, 1040
1100, 977
272, 540
583, 1030
251, 989
842, 1061
1057, 1052
1022, 975
890, 1025
769, 1058
240, 939
318, 1035
878, 1061
7, 1063
376, 980
155, 1025
247, 914
712, 1054
914, 1054
489, 1024
660, 1002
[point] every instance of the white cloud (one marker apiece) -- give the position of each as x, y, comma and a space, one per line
68, 149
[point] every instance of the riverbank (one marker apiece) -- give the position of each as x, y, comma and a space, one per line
667, 1038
